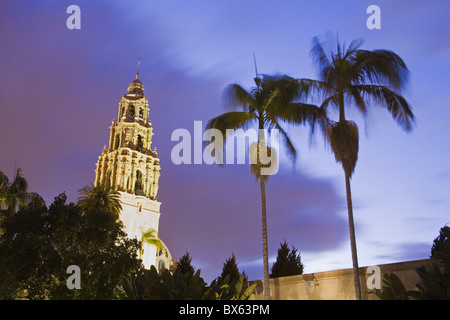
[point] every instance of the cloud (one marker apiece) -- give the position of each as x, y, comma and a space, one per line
213, 212
60, 90
66, 93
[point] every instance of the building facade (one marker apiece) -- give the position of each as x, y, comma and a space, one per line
131, 166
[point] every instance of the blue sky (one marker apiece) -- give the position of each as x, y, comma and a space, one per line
60, 90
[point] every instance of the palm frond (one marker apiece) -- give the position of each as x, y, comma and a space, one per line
355, 96
288, 88
231, 120
287, 142
313, 88
99, 197
333, 100
269, 101
298, 112
235, 96
4, 181
381, 67
151, 236
19, 186
320, 57
396, 104
353, 48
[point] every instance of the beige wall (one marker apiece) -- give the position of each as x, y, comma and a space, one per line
335, 285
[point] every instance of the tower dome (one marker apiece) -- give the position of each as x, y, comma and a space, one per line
136, 87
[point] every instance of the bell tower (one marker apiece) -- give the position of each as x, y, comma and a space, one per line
131, 166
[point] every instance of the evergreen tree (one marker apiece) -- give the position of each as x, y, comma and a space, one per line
230, 268
441, 247
288, 262
185, 264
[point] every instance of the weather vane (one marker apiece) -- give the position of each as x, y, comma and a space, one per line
256, 68
139, 64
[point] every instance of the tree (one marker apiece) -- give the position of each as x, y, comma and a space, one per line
231, 284
186, 284
272, 101
441, 247
151, 236
151, 285
393, 288
434, 280
230, 267
100, 197
288, 262
178, 285
237, 290
185, 263
14, 194
39, 244
352, 76
23, 246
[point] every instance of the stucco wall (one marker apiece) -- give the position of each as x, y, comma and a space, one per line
335, 285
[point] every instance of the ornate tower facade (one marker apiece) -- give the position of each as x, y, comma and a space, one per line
130, 166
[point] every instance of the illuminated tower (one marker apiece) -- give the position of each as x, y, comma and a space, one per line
130, 166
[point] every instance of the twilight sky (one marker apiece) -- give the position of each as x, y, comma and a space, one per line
60, 89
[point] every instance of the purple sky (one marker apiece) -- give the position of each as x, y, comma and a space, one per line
60, 88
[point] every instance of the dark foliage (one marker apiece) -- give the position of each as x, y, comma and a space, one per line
288, 262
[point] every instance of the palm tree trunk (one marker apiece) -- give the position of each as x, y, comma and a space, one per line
351, 227
264, 240
262, 181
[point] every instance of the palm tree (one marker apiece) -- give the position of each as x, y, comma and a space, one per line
100, 197
352, 76
151, 236
14, 194
268, 104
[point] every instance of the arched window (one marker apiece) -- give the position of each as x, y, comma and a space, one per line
161, 265
141, 113
131, 113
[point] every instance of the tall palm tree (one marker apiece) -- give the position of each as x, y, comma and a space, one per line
272, 101
100, 197
352, 76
